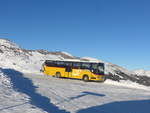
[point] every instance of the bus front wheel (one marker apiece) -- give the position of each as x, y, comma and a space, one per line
85, 78
58, 75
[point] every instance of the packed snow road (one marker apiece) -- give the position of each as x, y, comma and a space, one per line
89, 97
38, 93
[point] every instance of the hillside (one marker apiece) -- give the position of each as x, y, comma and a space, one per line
15, 57
142, 72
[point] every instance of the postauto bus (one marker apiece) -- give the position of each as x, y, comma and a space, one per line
75, 69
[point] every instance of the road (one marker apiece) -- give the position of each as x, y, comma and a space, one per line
78, 96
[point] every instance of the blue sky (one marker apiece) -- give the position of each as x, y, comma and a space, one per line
116, 31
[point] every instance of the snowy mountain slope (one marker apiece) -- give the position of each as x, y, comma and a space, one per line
142, 72
25, 60
12, 56
8, 43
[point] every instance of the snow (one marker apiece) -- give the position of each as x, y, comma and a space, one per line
127, 83
13, 101
142, 72
4, 81
66, 53
38, 93
7, 43
91, 59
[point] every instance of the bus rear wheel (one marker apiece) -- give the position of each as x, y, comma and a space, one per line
85, 78
58, 75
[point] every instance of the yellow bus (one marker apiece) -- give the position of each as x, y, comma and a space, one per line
75, 69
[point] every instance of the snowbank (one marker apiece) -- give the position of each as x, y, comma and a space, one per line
127, 83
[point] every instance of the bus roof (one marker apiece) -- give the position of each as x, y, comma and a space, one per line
76, 60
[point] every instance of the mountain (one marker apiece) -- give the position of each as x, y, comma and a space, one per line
13, 56
142, 72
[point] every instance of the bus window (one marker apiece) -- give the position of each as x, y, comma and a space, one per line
68, 64
77, 65
60, 63
85, 66
49, 63
94, 66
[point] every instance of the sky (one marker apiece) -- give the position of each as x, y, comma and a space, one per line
116, 31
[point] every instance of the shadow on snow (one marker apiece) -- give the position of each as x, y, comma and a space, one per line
140, 106
25, 85
86, 93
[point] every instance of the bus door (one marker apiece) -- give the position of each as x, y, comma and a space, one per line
68, 71
76, 71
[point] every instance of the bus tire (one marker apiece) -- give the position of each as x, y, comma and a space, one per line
58, 75
85, 78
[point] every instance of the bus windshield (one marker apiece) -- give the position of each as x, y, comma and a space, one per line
98, 68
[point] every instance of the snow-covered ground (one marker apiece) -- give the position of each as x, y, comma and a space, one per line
38, 93
11, 100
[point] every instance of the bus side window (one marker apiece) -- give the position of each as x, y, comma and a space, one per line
59, 64
76, 65
49, 63
68, 64
86, 66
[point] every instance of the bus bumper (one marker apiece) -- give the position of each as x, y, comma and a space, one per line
99, 78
